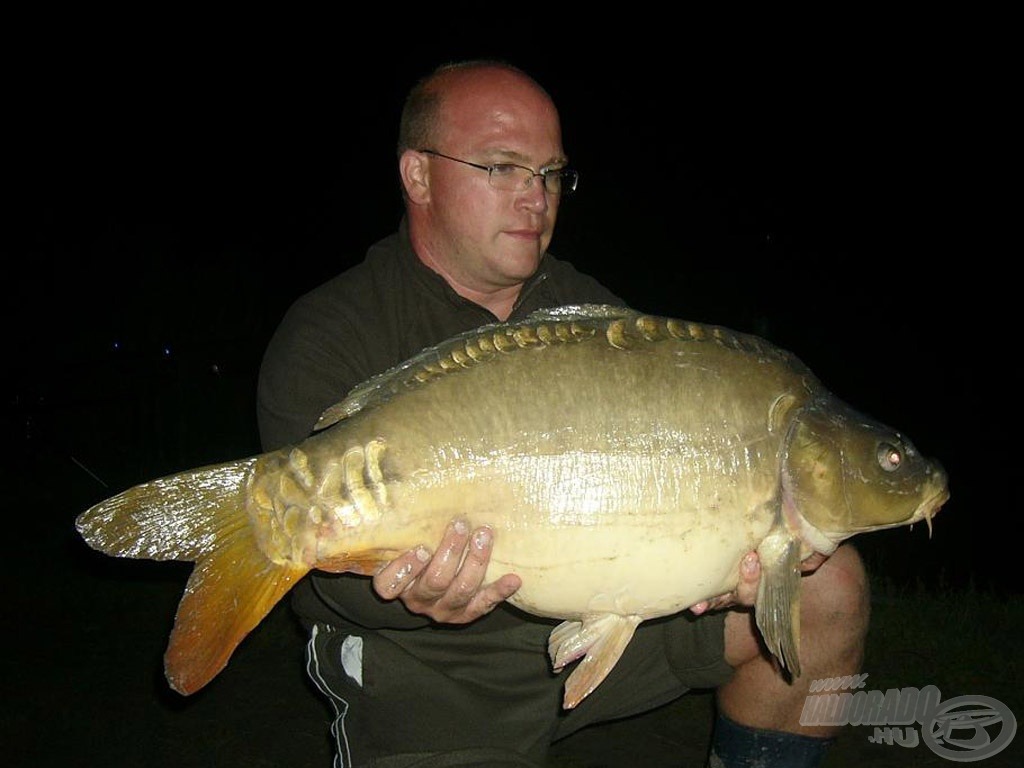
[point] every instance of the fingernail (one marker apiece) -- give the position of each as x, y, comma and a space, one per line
482, 539
397, 582
403, 573
422, 554
750, 562
460, 526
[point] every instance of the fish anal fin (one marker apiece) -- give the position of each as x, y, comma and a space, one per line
600, 640
365, 562
229, 592
778, 598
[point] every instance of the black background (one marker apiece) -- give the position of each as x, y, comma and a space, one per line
177, 187
841, 186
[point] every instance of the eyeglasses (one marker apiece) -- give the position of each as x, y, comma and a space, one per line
511, 177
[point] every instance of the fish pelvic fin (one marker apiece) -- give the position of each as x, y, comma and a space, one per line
777, 609
600, 640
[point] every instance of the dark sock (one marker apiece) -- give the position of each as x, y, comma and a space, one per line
737, 746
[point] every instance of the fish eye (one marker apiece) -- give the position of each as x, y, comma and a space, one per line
889, 457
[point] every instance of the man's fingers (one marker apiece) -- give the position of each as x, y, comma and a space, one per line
448, 585
698, 608
750, 576
391, 580
437, 577
746, 588
813, 562
465, 583
466, 598
422, 577
488, 598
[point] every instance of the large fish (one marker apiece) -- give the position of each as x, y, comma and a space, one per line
626, 463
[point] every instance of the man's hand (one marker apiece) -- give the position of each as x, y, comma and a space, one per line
448, 587
746, 590
743, 595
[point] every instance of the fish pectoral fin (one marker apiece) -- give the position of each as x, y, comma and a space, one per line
600, 640
229, 592
778, 598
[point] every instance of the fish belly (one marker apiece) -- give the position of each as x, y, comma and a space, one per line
595, 534
571, 574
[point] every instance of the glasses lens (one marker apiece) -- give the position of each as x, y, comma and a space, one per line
561, 182
509, 177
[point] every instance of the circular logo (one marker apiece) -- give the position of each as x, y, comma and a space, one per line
958, 728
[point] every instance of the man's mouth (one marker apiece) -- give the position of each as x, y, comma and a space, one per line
525, 234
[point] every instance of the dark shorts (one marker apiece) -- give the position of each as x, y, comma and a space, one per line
442, 696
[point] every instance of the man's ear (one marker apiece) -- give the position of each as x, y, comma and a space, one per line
414, 169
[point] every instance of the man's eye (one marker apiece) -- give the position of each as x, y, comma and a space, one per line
503, 169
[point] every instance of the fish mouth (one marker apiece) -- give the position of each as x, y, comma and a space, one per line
926, 510
930, 507
817, 539
938, 480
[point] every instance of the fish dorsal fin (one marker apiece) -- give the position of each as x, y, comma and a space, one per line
547, 326
580, 312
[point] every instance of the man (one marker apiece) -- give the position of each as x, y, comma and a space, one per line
425, 664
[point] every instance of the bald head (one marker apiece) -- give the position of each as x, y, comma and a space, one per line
481, 86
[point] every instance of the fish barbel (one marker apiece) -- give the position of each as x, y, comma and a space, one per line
626, 463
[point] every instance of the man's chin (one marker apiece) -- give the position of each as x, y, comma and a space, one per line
521, 263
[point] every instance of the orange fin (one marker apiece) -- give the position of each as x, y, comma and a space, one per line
229, 592
366, 562
600, 639
200, 516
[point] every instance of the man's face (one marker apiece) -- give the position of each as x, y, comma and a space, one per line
487, 238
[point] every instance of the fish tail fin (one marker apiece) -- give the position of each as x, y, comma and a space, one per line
198, 516
230, 591
600, 639
173, 518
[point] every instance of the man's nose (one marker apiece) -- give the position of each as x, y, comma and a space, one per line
533, 193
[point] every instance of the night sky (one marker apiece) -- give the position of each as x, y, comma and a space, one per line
174, 195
